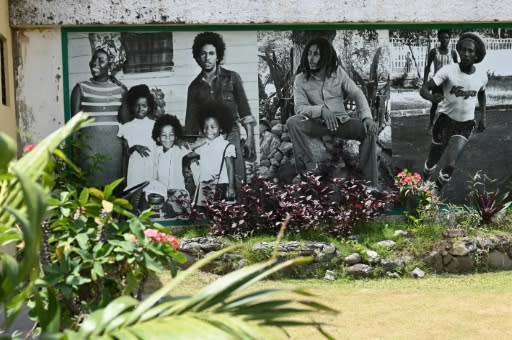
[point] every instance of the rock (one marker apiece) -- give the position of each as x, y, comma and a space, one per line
385, 138
269, 143
447, 259
373, 256
459, 249
359, 270
484, 243
417, 273
266, 172
392, 264
499, 260
460, 264
392, 275
285, 137
242, 263
388, 244
350, 152
329, 249
277, 129
274, 162
330, 275
278, 156
265, 163
453, 233
435, 261
352, 259
285, 147
402, 233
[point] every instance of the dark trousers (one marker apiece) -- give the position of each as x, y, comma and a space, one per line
302, 129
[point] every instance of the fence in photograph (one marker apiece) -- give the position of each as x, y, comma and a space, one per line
403, 56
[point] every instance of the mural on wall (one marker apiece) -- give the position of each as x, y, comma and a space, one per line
449, 141
186, 117
324, 105
176, 113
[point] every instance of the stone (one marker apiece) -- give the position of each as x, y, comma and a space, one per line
353, 258
484, 243
499, 260
435, 261
417, 273
385, 138
459, 248
265, 163
392, 264
402, 233
392, 275
277, 129
329, 249
447, 259
388, 244
373, 256
330, 275
465, 264
285, 147
454, 233
266, 172
359, 270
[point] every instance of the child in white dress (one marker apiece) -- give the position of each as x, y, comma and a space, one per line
216, 154
137, 136
167, 180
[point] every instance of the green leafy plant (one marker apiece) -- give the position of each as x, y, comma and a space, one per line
96, 250
488, 204
215, 311
22, 207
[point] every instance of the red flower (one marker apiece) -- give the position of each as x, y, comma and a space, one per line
28, 147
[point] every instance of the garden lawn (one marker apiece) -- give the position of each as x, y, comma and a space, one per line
437, 307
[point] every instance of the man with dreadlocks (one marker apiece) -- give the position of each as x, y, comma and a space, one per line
320, 89
462, 84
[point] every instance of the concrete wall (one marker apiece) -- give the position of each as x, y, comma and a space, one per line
38, 53
71, 12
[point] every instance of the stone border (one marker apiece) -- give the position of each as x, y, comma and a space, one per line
460, 255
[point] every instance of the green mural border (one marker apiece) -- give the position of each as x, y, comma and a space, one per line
251, 27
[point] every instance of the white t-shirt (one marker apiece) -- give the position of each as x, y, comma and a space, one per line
460, 91
210, 159
168, 166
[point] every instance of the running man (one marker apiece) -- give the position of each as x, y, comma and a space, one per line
462, 84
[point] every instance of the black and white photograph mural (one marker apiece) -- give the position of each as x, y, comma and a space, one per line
450, 98
186, 117
175, 112
324, 105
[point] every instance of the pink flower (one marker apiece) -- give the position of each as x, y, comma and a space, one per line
28, 147
160, 237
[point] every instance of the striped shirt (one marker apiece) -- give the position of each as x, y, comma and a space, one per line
442, 59
101, 100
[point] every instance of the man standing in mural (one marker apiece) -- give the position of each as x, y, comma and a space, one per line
101, 96
440, 56
320, 89
462, 84
217, 83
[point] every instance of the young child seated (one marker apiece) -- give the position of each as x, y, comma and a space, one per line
136, 134
167, 179
216, 154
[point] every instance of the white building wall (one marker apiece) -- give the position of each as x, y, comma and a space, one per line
38, 51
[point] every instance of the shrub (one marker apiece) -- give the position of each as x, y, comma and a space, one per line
488, 204
95, 249
334, 204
